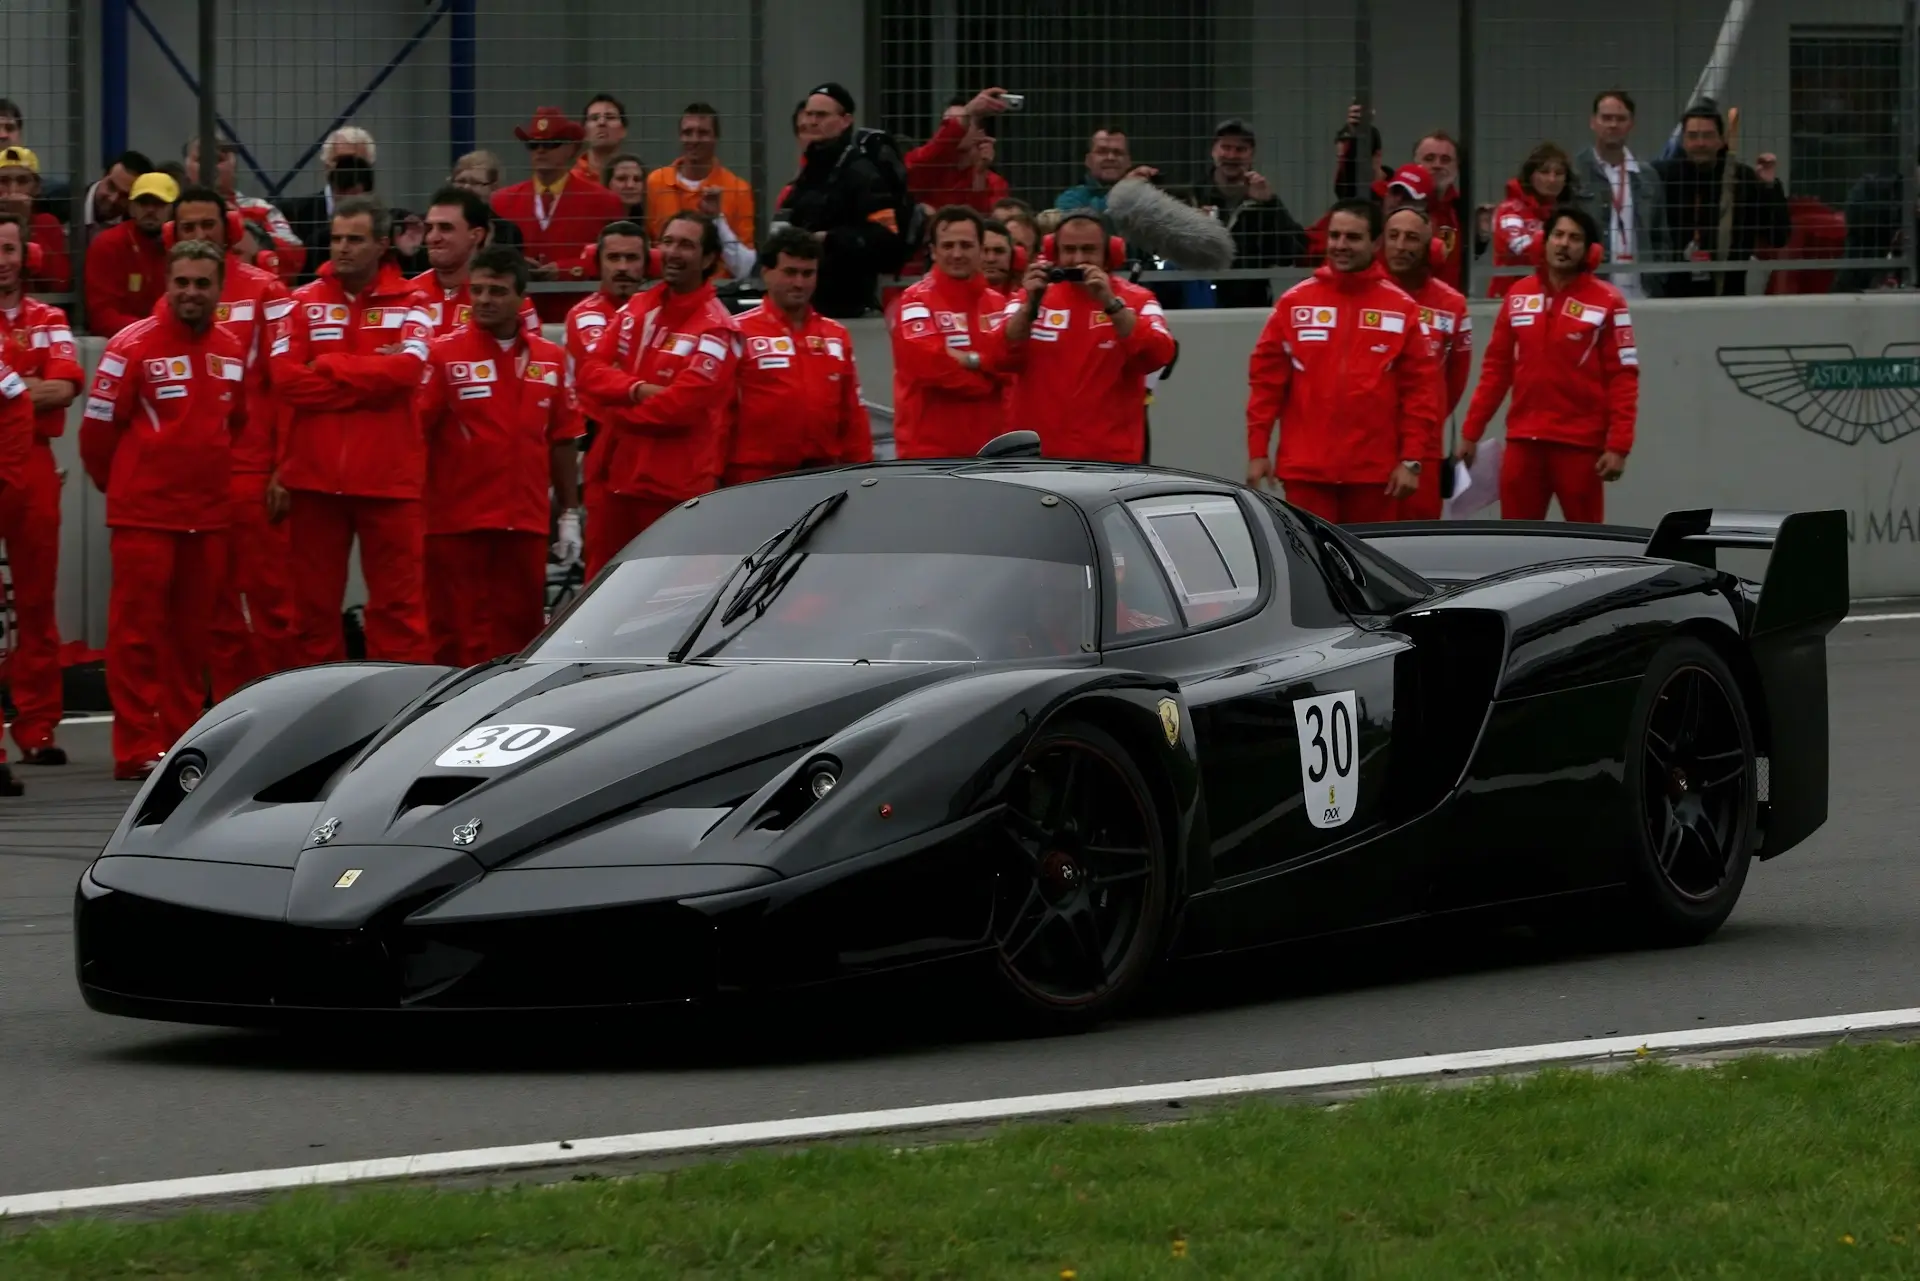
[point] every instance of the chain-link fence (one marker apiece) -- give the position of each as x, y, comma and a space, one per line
1324, 98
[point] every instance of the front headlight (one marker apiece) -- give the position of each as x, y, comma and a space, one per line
821, 783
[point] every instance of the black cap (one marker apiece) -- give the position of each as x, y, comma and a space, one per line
836, 91
1234, 127
1706, 109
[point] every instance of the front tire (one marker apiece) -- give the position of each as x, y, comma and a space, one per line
1081, 903
1693, 795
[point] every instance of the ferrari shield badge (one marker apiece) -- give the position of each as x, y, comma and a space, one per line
347, 878
1170, 720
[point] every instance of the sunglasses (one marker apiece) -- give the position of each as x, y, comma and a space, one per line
544, 146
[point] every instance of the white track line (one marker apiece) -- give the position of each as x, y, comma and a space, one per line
662, 1142
1881, 618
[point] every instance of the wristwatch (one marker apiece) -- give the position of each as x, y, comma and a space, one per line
970, 359
1114, 306
1412, 465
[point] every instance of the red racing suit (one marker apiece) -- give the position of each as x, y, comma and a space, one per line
157, 438
1345, 370
1443, 313
37, 342
671, 445
799, 397
586, 321
941, 409
16, 453
1079, 384
126, 271
937, 176
354, 459
492, 414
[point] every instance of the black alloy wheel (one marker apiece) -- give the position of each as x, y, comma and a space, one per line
1694, 778
1079, 909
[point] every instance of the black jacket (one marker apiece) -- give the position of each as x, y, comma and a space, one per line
847, 197
1760, 218
1264, 233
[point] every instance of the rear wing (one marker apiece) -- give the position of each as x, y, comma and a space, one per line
1805, 587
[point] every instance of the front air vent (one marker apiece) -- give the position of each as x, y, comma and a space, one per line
311, 782
436, 790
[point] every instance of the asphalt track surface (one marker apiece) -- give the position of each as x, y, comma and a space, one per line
85, 1099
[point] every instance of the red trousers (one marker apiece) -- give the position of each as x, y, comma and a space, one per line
158, 612
486, 594
393, 553
1346, 504
33, 563
613, 521
253, 623
1532, 471
1425, 502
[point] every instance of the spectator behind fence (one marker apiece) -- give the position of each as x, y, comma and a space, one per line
19, 186
105, 202
558, 212
955, 166
1623, 195
798, 402
605, 127
1697, 197
1875, 229
1083, 347
346, 362
347, 160
157, 440
13, 123
1108, 161
500, 427
457, 225
1520, 221
1344, 370
127, 265
849, 197
626, 177
1017, 214
1563, 344
479, 172
282, 236
997, 257
1413, 254
696, 182
1265, 234
37, 343
949, 384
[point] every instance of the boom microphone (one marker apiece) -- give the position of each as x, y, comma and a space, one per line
1150, 219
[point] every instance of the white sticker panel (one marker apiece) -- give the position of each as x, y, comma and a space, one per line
500, 746
1329, 756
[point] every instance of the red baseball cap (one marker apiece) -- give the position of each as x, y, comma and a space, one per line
1414, 180
550, 124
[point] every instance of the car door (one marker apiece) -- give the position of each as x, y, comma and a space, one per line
1295, 742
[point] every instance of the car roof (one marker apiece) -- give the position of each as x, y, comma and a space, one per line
1084, 483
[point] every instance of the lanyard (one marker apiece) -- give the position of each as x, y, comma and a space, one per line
1619, 194
541, 211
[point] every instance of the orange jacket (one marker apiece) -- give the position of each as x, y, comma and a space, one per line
1443, 311
668, 197
492, 417
941, 409
1570, 361
448, 310
1344, 368
126, 275
672, 445
251, 300
157, 436
39, 344
799, 394
1083, 388
353, 427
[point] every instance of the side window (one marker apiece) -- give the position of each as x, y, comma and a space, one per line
1207, 550
1142, 605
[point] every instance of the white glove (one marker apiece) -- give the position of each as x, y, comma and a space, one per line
569, 546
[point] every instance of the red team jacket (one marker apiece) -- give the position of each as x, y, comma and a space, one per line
940, 408
251, 300
585, 322
1570, 361
936, 175
160, 422
1081, 387
353, 426
1517, 227
126, 276
1443, 311
671, 446
450, 309
1344, 368
573, 223
491, 418
39, 344
16, 427
799, 394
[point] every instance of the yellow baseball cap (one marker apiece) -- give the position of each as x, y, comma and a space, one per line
155, 184
19, 158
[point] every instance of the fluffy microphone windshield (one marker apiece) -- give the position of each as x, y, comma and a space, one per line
1148, 218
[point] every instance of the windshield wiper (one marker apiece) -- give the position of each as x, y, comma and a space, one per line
765, 562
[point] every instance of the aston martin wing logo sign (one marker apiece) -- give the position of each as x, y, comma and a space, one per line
1832, 392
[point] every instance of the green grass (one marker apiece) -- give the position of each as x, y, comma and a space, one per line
1766, 1168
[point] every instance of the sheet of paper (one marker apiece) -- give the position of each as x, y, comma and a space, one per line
1480, 487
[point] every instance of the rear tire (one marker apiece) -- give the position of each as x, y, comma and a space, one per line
1693, 795
1080, 903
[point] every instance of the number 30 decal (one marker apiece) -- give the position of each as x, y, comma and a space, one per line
498, 746
1329, 756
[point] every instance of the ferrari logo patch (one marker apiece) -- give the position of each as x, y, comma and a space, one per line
1170, 720
347, 878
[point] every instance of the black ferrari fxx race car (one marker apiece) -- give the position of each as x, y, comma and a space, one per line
1061, 722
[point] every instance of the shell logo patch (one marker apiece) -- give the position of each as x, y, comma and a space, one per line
1055, 319
337, 313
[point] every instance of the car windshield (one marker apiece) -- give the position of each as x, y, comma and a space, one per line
837, 606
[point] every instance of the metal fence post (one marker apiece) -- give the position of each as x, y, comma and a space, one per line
1907, 158
1469, 215
209, 114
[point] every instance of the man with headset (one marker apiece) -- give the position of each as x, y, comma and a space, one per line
1083, 344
